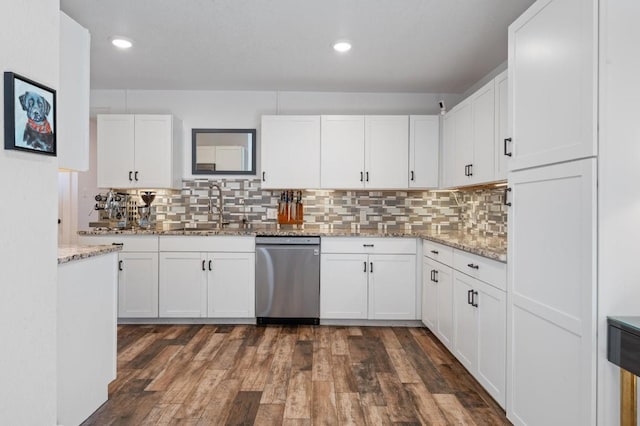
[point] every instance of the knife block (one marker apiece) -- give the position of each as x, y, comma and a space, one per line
287, 218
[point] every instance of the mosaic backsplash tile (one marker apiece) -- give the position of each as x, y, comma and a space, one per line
479, 210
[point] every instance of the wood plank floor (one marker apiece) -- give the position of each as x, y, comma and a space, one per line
290, 375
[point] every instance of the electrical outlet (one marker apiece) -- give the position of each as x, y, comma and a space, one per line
272, 214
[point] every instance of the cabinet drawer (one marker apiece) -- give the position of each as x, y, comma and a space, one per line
438, 252
487, 270
130, 243
214, 243
368, 245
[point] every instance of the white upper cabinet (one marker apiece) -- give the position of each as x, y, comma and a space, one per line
290, 152
424, 143
342, 151
502, 141
552, 82
482, 167
386, 151
473, 138
463, 143
138, 151
73, 96
448, 150
365, 151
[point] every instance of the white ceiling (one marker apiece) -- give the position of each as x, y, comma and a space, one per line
425, 46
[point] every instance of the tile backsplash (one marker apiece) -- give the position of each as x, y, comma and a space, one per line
479, 210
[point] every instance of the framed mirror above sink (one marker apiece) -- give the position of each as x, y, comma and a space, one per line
223, 151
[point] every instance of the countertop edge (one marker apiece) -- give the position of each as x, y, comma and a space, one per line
454, 239
71, 253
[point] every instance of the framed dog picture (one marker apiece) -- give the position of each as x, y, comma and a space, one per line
29, 115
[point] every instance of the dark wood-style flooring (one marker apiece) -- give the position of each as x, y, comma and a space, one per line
290, 375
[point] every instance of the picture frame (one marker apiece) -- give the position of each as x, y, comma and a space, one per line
29, 115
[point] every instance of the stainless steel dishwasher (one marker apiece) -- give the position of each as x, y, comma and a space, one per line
288, 280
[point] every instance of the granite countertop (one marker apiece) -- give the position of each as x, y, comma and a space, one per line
490, 247
69, 253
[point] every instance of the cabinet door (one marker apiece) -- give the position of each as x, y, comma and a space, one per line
290, 151
424, 152
138, 285
552, 294
153, 151
115, 141
342, 151
465, 321
444, 330
463, 144
492, 344
392, 286
553, 83
386, 151
183, 284
73, 96
343, 286
231, 285
483, 106
429, 294
448, 150
501, 147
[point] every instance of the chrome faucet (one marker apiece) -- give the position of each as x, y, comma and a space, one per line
220, 202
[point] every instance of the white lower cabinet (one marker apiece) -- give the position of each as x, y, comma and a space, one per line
207, 277
437, 296
368, 278
231, 285
183, 284
138, 285
480, 332
343, 286
464, 305
392, 286
137, 272
207, 284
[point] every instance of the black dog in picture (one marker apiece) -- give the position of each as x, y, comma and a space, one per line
37, 132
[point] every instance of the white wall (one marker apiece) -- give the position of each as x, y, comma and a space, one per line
28, 249
619, 189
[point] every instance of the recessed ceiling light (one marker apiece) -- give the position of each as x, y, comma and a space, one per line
342, 46
121, 42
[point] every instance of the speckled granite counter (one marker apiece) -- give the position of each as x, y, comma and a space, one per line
490, 247
69, 253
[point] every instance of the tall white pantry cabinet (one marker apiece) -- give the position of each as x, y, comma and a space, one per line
552, 192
